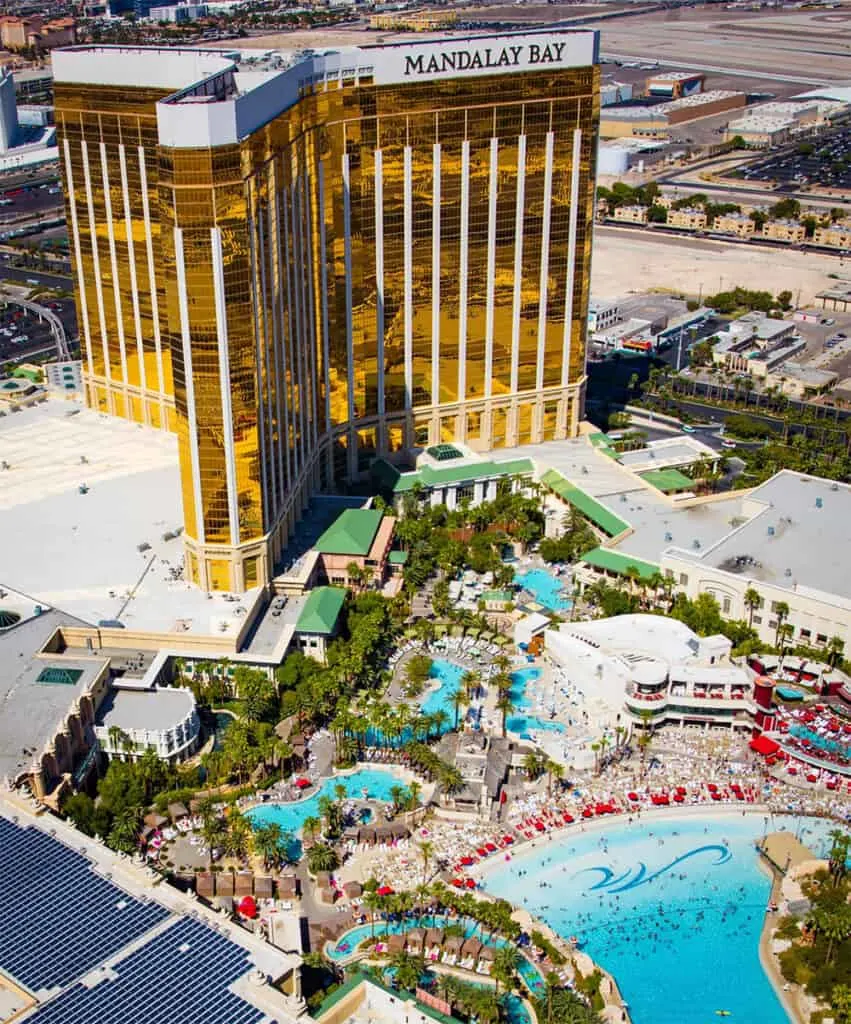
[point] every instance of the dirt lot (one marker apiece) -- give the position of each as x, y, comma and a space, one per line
627, 261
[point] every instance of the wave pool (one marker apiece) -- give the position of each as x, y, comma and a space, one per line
673, 907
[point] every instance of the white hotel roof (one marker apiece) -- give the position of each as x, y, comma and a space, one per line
216, 101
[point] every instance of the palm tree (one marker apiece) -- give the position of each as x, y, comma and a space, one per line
322, 857
554, 771
239, 836
752, 602
835, 650
471, 681
781, 610
426, 853
267, 843
310, 829
458, 699
505, 705
505, 962
213, 833
124, 834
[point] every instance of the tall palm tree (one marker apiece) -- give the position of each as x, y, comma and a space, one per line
752, 602
505, 705
458, 699
781, 610
835, 650
426, 853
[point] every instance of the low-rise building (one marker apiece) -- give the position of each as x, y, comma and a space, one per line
64, 377
353, 550
759, 132
631, 214
784, 231
413, 21
650, 666
319, 620
602, 314
801, 382
34, 31
738, 224
756, 344
688, 218
835, 236
448, 474
177, 13
673, 85
134, 719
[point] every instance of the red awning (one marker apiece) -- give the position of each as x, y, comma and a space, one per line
303, 783
763, 745
385, 890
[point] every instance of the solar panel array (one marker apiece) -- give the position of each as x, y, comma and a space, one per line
58, 918
181, 976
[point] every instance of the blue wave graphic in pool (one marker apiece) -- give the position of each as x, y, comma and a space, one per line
638, 875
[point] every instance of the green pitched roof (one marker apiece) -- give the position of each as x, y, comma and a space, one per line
352, 533
607, 521
667, 480
497, 595
397, 557
429, 476
321, 610
385, 473
614, 561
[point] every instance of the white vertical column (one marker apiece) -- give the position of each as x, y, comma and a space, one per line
519, 211
463, 270
278, 327
78, 256
285, 329
545, 258
435, 275
310, 311
347, 259
571, 255
224, 382
491, 267
256, 299
323, 264
93, 236
113, 259
131, 259
379, 275
186, 342
152, 283
269, 375
409, 278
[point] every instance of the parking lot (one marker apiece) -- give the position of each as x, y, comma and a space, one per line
829, 163
22, 337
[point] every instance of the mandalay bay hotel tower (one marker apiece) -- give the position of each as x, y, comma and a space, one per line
306, 261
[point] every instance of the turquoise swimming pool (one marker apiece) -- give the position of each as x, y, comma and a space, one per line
349, 941
377, 782
524, 725
546, 588
519, 682
672, 907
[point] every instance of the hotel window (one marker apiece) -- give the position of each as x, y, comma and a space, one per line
806, 634
821, 638
726, 605
683, 580
757, 620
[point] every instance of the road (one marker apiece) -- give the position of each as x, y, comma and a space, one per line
696, 65
22, 276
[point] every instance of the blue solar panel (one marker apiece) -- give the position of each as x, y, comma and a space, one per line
180, 976
58, 918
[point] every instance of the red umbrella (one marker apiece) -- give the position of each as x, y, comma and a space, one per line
679, 798
633, 797
681, 790
482, 852
569, 819
457, 882
467, 861
508, 840
490, 847
712, 787
587, 813
716, 795
539, 825
248, 906
470, 883
385, 890
303, 783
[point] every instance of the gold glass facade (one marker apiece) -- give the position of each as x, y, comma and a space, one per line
376, 267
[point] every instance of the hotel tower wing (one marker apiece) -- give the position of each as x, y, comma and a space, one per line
302, 264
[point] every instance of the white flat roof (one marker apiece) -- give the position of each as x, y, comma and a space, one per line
789, 540
79, 552
651, 516
155, 710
